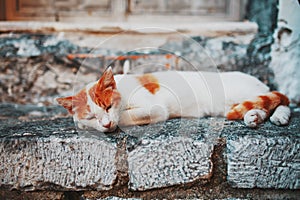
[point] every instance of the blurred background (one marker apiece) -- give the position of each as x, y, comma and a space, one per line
121, 10
48, 46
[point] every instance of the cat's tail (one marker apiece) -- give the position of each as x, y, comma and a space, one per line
267, 103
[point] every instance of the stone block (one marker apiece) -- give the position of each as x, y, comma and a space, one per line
168, 156
264, 161
43, 152
39, 156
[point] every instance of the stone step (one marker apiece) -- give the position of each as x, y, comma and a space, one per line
49, 153
264, 162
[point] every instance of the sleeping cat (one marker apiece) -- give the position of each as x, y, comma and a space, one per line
126, 100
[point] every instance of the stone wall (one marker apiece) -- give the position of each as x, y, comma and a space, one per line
258, 52
208, 158
275, 47
39, 67
286, 50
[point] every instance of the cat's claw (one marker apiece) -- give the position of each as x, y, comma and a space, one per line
254, 117
281, 116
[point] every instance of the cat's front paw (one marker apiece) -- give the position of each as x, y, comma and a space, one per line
254, 117
281, 116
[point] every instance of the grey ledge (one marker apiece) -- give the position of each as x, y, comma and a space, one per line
38, 155
264, 162
48, 153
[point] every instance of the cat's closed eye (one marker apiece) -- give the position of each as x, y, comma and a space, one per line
90, 116
108, 108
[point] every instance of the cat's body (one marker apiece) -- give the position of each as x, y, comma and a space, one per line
150, 98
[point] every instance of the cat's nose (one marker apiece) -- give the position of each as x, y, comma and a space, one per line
107, 125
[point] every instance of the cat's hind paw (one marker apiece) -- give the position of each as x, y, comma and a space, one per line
281, 116
254, 117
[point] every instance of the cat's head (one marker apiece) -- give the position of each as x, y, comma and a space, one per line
97, 105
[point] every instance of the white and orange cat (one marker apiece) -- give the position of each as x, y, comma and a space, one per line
129, 99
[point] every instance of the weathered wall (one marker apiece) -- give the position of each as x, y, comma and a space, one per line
286, 50
264, 13
38, 67
277, 52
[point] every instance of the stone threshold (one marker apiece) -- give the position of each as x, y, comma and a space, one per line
194, 28
40, 150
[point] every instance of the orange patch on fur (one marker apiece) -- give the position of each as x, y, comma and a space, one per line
284, 100
238, 110
76, 103
103, 93
67, 103
149, 82
80, 104
248, 105
267, 102
234, 105
234, 115
102, 98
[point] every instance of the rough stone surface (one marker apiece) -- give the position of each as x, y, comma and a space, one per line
168, 159
27, 45
44, 155
175, 152
37, 155
163, 163
258, 161
267, 157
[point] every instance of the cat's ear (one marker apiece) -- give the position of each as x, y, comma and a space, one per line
102, 92
107, 80
67, 103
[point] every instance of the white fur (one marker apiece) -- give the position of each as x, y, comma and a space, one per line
255, 117
281, 115
98, 118
185, 94
181, 94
